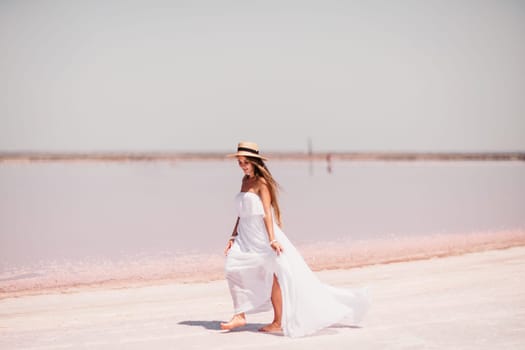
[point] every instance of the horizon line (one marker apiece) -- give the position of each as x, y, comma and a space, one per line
121, 156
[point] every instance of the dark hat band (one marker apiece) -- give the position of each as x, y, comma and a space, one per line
247, 150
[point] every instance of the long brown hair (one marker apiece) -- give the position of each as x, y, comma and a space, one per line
260, 169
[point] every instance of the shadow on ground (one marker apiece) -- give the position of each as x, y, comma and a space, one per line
216, 325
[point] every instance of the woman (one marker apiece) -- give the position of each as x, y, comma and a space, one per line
262, 266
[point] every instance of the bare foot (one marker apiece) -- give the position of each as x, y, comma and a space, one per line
235, 322
271, 328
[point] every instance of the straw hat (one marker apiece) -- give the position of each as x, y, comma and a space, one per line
247, 149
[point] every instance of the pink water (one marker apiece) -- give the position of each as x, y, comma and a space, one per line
70, 224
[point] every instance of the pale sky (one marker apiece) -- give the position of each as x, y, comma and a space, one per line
433, 75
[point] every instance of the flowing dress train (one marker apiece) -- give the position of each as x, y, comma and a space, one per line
308, 304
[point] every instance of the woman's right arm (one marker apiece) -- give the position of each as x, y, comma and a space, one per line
235, 233
232, 238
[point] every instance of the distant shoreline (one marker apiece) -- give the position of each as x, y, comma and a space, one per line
282, 156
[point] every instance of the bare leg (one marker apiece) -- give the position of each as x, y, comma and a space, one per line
277, 302
238, 320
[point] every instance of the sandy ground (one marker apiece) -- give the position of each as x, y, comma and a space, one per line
473, 301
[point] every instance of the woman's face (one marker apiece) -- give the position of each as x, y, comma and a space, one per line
246, 165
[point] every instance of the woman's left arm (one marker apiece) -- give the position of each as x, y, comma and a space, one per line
266, 198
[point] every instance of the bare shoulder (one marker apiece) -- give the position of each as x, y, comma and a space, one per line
262, 183
263, 189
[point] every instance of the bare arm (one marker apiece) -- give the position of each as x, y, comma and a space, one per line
232, 238
235, 233
264, 192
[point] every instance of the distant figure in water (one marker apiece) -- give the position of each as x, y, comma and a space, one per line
329, 163
264, 269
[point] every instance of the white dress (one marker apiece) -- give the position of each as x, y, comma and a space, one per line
308, 304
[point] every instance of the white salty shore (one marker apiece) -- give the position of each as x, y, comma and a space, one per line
472, 301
